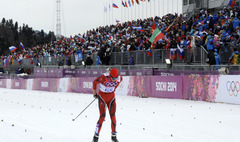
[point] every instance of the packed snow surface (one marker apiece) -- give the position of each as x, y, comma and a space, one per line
35, 116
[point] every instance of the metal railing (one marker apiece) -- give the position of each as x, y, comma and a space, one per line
141, 58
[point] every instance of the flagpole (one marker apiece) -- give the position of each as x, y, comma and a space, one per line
167, 6
163, 8
125, 14
112, 14
142, 10
129, 16
131, 11
159, 4
135, 11
121, 12
104, 15
150, 7
139, 13
153, 8
146, 10
171, 24
177, 6
125, 11
109, 19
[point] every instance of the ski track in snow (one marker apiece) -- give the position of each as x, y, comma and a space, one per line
35, 116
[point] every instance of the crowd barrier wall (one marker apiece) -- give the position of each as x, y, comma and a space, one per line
60, 73
210, 88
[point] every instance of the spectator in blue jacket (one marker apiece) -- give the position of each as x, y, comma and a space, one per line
235, 22
210, 43
217, 58
98, 61
131, 60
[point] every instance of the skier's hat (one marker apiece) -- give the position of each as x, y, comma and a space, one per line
114, 73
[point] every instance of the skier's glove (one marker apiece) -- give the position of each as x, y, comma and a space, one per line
95, 96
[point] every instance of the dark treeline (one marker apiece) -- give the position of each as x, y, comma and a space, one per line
11, 34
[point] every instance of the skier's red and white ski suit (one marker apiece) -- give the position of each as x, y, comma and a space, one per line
107, 87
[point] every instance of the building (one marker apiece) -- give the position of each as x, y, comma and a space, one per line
189, 6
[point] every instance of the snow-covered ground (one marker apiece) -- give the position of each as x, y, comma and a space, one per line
34, 116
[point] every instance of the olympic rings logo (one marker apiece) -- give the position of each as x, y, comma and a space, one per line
233, 88
111, 84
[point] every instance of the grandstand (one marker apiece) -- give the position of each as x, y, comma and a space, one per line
113, 45
191, 6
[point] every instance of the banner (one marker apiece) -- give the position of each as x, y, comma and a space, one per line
229, 89
166, 87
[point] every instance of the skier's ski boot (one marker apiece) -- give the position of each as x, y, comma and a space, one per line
114, 138
95, 138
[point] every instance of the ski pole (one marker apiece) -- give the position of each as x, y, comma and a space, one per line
83, 110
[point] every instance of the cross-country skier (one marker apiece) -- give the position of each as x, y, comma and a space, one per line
108, 82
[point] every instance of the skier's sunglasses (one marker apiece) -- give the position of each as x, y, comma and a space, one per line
113, 78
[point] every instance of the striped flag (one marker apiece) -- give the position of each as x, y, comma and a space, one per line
153, 28
173, 53
6, 61
149, 52
123, 3
21, 46
156, 36
115, 6
12, 48
231, 3
138, 28
105, 9
129, 3
181, 52
20, 61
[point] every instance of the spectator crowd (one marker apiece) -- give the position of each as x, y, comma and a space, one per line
217, 32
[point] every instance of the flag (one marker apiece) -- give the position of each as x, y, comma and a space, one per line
138, 28
105, 9
117, 21
79, 56
153, 27
31, 61
156, 36
173, 53
115, 6
149, 52
123, 3
132, 2
126, 4
12, 61
21, 46
137, 1
180, 53
12, 48
129, 3
6, 61
19, 61
231, 3
75, 48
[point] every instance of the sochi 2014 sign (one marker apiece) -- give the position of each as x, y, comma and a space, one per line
166, 87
